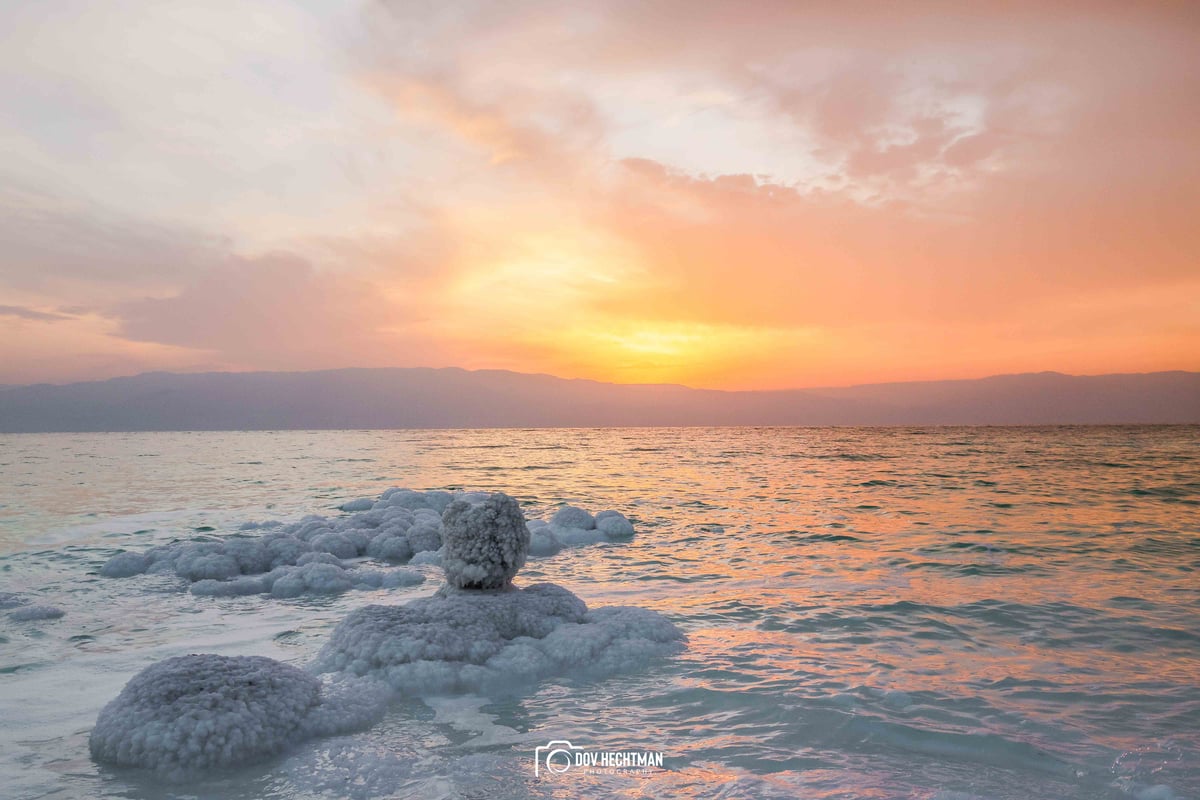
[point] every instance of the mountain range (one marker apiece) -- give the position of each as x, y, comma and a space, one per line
458, 398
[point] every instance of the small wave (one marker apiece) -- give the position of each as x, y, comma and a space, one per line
847, 456
977, 748
822, 537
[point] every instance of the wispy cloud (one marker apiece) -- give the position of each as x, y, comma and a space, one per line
277, 312
21, 312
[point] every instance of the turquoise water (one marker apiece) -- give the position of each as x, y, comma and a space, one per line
917, 613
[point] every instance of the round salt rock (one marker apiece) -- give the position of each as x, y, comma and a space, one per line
484, 542
193, 713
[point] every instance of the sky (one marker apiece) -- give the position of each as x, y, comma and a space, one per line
721, 194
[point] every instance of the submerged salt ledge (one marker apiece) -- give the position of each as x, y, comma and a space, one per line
306, 557
479, 632
11, 600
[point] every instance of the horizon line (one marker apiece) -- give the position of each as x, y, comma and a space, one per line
148, 373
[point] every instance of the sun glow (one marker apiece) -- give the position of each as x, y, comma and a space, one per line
698, 354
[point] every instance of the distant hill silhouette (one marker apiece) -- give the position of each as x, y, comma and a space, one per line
457, 398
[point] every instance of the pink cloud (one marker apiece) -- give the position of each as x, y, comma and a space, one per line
276, 311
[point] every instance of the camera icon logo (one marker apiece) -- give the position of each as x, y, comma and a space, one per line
554, 757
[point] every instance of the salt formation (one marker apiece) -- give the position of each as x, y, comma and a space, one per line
401, 526
475, 640
479, 632
310, 576
571, 527
31, 613
485, 543
193, 713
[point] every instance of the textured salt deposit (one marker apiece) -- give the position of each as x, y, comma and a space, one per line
485, 542
193, 713
33, 613
464, 640
400, 526
479, 632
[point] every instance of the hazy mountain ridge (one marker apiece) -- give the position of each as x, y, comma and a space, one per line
457, 398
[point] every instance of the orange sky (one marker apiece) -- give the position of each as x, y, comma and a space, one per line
731, 195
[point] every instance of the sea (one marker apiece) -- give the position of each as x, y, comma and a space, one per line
946, 613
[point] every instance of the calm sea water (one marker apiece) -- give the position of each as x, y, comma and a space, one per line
911, 613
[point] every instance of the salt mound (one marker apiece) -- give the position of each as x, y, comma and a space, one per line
193, 713
574, 527
32, 613
309, 577
614, 524
572, 517
123, 565
400, 526
485, 543
479, 632
469, 640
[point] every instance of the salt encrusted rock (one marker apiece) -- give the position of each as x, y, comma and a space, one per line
425, 536
401, 526
201, 564
319, 558
314, 578
33, 613
388, 546
471, 640
192, 713
122, 565
573, 517
477, 633
484, 543
189, 714
315, 574
335, 544
542, 541
614, 524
